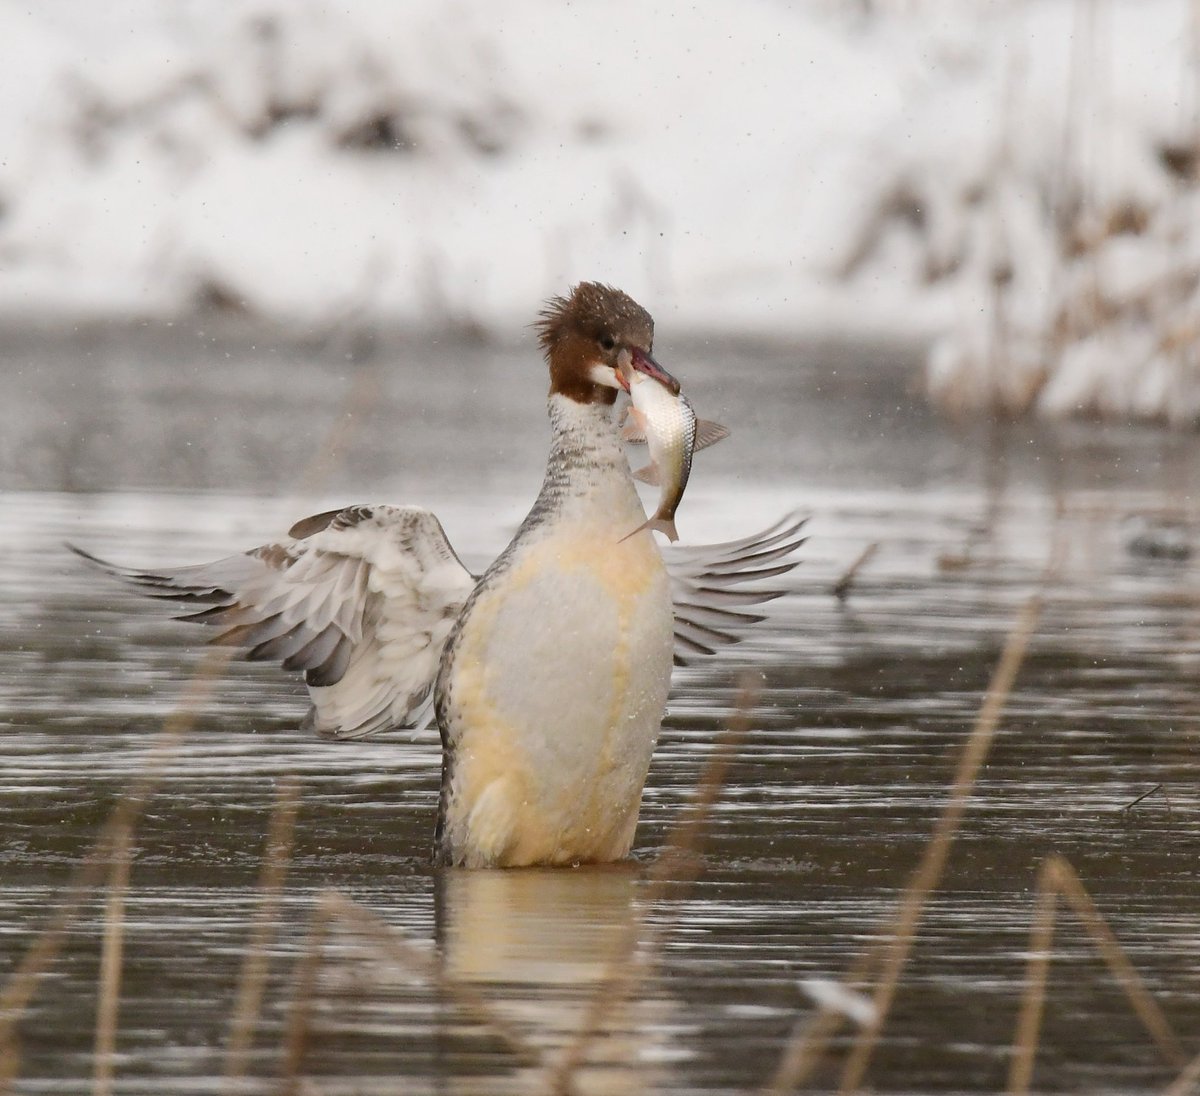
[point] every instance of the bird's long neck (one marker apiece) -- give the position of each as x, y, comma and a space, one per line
587, 474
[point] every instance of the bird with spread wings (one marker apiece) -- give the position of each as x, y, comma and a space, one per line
362, 601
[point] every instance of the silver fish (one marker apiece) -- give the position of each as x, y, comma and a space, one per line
671, 431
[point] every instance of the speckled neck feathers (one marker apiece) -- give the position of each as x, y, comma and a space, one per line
586, 462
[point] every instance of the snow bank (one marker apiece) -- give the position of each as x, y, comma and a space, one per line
935, 166
433, 161
1074, 230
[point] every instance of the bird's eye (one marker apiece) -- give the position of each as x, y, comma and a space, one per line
607, 342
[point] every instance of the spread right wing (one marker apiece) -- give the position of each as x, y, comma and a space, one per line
362, 600
706, 585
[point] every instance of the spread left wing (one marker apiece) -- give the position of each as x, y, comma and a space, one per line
361, 600
706, 585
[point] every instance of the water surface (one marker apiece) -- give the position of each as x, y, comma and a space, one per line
182, 444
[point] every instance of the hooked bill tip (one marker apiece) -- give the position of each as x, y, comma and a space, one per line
643, 363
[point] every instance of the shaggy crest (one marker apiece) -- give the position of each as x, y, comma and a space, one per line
586, 330
594, 310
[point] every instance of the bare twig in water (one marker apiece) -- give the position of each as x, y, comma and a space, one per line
1058, 879
807, 1045
841, 588
334, 907
257, 962
679, 863
109, 996
1146, 795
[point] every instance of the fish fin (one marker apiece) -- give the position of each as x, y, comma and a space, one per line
666, 526
709, 433
635, 425
649, 475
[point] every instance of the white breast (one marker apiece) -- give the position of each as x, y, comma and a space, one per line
556, 692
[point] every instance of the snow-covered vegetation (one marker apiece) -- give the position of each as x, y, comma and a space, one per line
1016, 178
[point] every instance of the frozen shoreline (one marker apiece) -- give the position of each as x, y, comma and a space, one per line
952, 170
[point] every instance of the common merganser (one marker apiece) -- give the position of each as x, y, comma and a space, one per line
549, 673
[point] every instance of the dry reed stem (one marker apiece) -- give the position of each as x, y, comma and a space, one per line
687, 834
390, 942
295, 1040
20, 987
841, 588
276, 858
1187, 1082
806, 1047
999, 345
933, 862
1033, 1000
1071, 887
109, 995
677, 864
1058, 879
363, 395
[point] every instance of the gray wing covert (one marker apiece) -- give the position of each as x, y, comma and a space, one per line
361, 600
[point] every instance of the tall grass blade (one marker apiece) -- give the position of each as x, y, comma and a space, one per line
108, 1003
256, 964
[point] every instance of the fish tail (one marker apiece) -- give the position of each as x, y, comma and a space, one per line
666, 526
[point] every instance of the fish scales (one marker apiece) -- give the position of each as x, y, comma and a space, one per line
668, 424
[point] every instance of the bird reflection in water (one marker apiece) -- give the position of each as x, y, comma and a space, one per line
544, 947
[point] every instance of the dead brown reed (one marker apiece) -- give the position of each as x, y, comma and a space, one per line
807, 1046
362, 395
1058, 879
1187, 1082
255, 966
687, 835
386, 940
304, 990
933, 863
1155, 1022
1156, 790
678, 864
109, 995
841, 588
1033, 1001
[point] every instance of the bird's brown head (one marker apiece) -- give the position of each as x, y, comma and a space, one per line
582, 335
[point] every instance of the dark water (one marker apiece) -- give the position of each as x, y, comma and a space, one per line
180, 445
